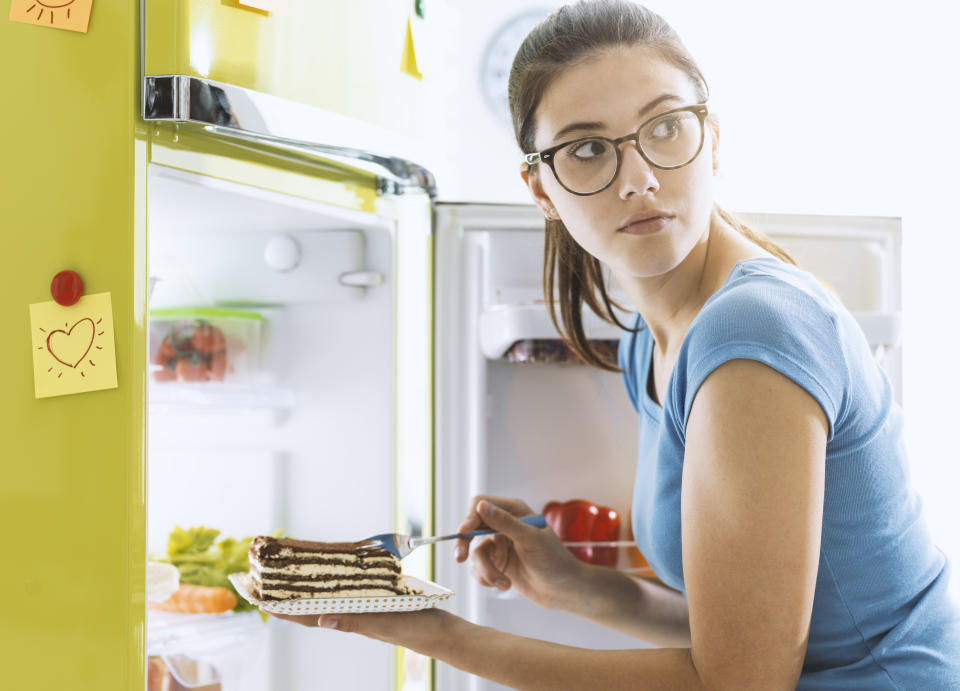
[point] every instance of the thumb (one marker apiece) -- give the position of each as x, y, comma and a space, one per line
503, 521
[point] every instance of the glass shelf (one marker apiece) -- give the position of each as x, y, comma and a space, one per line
170, 633
176, 397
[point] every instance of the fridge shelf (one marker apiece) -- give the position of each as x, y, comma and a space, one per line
501, 326
177, 397
170, 633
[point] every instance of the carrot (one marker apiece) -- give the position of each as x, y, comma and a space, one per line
194, 599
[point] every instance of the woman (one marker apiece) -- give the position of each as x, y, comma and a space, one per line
770, 493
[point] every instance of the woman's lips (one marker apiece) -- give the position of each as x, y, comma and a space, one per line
647, 227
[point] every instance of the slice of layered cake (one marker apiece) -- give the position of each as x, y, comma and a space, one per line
282, 568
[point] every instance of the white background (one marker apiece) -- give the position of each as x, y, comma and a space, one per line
844, 107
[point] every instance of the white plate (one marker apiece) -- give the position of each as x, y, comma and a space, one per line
432, 594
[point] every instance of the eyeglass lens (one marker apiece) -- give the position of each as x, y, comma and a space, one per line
589, 165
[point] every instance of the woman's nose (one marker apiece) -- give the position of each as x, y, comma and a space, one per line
636, 175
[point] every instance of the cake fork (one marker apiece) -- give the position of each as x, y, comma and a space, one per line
400, 545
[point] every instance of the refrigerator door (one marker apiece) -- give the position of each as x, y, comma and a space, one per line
546, 431
71, 498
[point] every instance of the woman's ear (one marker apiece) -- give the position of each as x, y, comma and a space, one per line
531, 177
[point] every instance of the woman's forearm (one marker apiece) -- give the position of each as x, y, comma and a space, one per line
635, 606
528, 664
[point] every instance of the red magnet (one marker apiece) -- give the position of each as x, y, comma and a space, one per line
66, 288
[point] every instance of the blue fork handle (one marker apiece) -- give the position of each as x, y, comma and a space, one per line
537, 521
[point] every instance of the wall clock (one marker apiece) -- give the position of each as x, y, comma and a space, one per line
498, 56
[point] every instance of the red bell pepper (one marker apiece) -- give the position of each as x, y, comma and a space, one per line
579, 520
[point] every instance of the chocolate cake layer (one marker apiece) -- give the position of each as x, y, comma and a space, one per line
283, 568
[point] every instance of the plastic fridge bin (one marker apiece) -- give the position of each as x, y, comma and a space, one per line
205, 344
207, 652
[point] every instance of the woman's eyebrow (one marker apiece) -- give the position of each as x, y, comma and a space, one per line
599, 125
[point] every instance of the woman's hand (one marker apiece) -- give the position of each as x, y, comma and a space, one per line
531, 560
421, 631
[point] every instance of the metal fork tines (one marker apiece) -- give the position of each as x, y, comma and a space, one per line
400, 545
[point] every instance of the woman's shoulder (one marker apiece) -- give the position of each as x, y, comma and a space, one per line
774, 313
765, 296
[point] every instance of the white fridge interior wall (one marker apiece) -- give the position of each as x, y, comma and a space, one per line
822, 109
306, 447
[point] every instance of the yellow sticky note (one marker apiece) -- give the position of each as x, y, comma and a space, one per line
73, 15
408, 63
264, 5
73, 348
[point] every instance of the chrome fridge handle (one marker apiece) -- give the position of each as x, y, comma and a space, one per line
252, 116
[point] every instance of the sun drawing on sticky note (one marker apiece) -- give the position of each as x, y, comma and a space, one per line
71, 346
51, 6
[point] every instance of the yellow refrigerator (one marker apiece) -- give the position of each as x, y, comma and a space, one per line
255, 165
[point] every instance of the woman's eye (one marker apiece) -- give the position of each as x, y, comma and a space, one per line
667, 128
588, 150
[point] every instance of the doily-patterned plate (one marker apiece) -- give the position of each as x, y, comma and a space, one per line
432, 595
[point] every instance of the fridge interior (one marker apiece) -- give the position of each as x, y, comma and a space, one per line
298, 437
551, 430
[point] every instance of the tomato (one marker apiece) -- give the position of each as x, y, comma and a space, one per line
207, 339
165, 374
605, 529
217, 366
579, 520
191, 369
165, 352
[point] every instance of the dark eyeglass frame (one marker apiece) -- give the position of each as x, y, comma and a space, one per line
547, 155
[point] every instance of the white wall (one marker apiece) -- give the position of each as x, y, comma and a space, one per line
843, 107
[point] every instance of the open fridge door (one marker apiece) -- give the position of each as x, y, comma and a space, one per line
517, 416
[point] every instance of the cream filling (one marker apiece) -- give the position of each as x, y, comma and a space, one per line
320, 570
294, 594
325, 585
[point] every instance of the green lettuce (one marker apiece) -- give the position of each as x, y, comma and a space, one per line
201, 560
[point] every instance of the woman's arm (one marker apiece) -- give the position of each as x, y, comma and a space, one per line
751, 512
526, 664
536, 564
635, 606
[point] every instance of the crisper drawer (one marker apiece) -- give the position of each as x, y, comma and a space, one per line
323, 54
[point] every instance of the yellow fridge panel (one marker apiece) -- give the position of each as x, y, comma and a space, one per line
359, 58
72, 495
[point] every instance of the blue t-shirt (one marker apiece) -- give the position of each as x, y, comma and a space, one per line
882, 617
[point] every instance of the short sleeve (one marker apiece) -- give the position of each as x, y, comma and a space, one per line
773, 322
627, 360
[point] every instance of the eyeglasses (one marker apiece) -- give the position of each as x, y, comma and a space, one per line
590, 164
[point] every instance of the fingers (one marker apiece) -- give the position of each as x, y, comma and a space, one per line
340, 622
302, 619
504, 521
474, 521
490, 560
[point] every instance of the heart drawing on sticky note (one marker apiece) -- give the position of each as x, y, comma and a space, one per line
70, 347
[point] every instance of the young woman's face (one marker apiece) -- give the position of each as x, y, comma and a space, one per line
618, 91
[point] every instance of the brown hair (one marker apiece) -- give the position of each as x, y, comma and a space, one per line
572, 34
